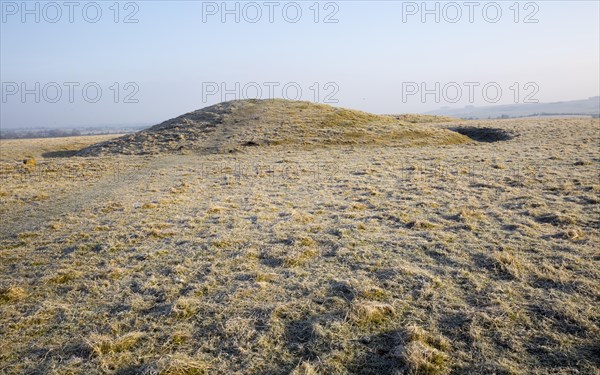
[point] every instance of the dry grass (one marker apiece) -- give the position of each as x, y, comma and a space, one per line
12, 294
422, 352
380, 261
30, 149
423, 119
235, 126
367, 313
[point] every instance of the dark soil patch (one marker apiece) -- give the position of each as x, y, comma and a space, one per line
485, 134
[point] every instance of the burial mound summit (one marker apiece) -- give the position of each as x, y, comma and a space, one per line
237, 125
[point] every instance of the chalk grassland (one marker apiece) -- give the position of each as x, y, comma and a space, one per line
468, 258
233, 126
17, 149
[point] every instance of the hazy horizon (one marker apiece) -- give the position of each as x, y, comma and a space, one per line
155, 60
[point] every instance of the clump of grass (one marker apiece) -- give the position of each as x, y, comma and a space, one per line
359, 206
508, 263
26, 235
12, 293
215, 210
305, 241
571, 234
365, 313
148, 206
185, 307
423, 359
466, 215
375, 293
180, 364
299, 256
303, 218
221, 244
30, 163
157, 233
265, 277
112, 207
103, 344
420, 224
416, 333
304, 368
180, 338
65, 277
39, 197
422, 352
160, 230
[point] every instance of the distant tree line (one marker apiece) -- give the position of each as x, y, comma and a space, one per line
54, 133
41, 133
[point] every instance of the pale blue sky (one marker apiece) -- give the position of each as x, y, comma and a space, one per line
368, 54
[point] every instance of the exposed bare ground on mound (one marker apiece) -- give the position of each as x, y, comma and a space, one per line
485, 134
233, 126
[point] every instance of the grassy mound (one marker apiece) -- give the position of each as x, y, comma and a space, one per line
235, 125
423, 119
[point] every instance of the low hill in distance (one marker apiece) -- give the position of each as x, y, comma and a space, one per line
232, 126
585, 107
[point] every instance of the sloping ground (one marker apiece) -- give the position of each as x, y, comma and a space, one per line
234, 125
423, 119
468, 259
20, 149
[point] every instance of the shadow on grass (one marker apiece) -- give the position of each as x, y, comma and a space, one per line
377, 356
484, 134
60, 154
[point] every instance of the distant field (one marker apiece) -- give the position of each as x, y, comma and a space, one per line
15, 149
458, 258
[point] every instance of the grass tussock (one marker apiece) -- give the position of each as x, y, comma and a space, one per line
509, 264
65, 276
181, 364
423, 353
371, 313
304, 368
186, 308
421, 225
299, 256
102, 345
12, 294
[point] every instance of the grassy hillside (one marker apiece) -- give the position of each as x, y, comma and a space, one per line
234, 126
